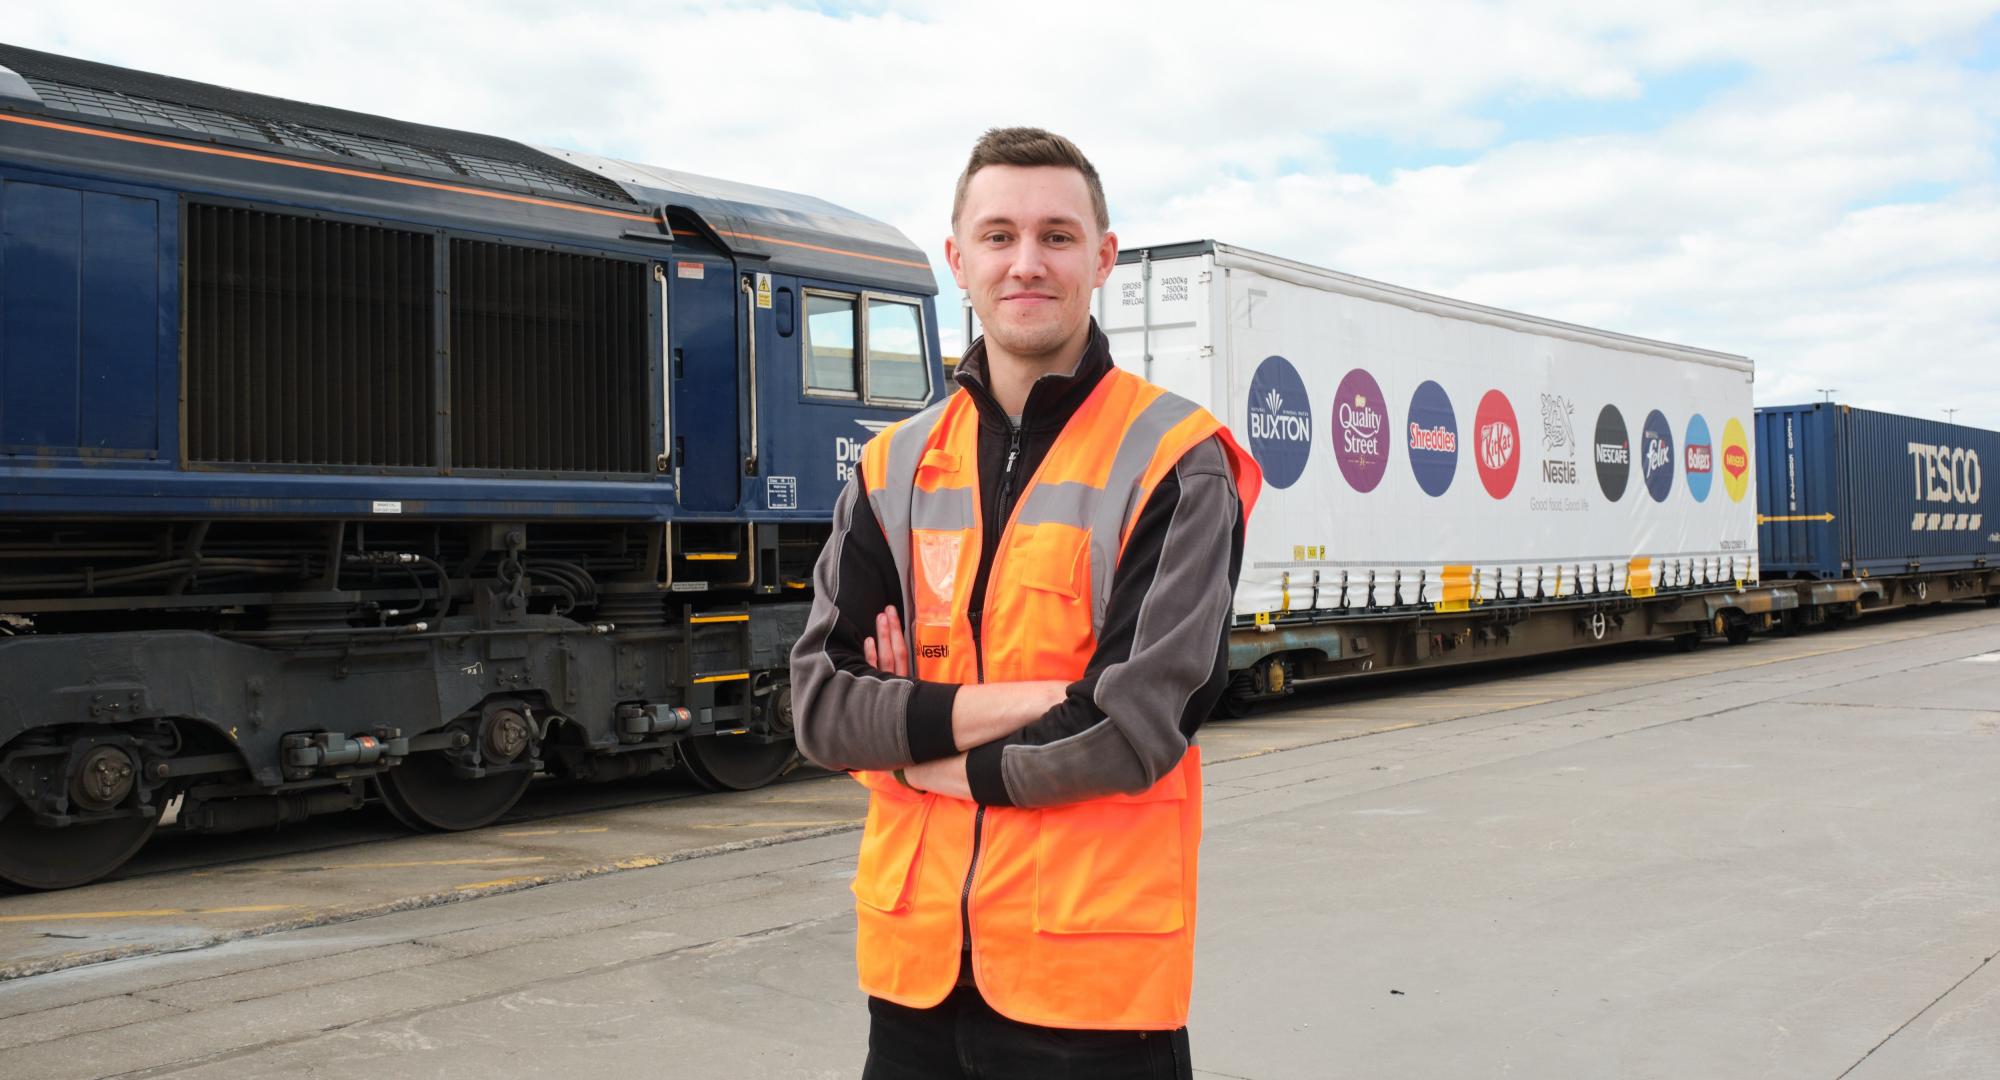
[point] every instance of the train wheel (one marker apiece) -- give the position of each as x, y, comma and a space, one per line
1737, 632
428, 795
35, 857
1239, 699
735, 762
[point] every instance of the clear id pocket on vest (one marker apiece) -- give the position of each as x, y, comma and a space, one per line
1114, 865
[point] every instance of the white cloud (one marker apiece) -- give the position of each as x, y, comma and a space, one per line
1773, 219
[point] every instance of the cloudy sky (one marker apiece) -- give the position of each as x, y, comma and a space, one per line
1811, 184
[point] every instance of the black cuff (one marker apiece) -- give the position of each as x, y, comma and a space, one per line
927, 721
982, 773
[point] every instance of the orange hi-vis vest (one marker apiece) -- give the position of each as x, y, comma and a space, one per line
1082, 915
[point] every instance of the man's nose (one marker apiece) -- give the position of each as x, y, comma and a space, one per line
1028, 262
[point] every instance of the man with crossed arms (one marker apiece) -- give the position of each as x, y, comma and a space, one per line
1021, 619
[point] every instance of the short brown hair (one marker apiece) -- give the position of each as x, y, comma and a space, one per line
1030, 147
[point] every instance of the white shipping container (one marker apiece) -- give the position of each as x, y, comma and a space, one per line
1422, 451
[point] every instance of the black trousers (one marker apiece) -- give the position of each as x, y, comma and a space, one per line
964, 1037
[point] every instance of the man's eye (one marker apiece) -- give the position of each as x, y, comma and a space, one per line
1058, 238
996, 238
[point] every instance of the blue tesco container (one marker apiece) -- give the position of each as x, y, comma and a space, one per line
1846, 492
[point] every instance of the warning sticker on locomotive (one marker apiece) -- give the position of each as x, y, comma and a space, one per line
388, 506
781, 493
764, 291
692, 270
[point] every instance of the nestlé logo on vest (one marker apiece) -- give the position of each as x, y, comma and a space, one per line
1613, 453
1698, 458
1433, 439
1656, 444
1498, 451
1280, 422
1361, 430
1558, 440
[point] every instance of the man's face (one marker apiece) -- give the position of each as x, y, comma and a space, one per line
1027, 251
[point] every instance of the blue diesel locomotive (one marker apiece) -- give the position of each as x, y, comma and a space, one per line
338, 452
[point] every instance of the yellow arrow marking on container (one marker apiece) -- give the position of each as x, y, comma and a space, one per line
1762, 518
147, 913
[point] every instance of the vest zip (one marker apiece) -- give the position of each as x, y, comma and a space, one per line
979, 665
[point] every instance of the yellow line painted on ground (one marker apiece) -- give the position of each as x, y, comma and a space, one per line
555, 832
636, 862
703, 620
733, 677
146, 913
509, 860
498, 882
775, 824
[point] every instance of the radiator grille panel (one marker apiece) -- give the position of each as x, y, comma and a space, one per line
308, 342
548, 361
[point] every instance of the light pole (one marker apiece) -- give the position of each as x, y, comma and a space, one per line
1948, 414
1828, 392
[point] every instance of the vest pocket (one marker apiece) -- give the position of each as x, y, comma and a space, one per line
1055, 559
1051, 614
1112, 866
885, 875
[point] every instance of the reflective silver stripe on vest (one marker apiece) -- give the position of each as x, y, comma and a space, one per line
945, 508
1106, 511
893, 512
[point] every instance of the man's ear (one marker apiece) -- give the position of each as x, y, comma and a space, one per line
955, 259
1107, 256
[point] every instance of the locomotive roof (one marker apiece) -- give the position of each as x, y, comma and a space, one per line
786, 231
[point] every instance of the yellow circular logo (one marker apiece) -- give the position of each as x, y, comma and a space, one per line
1735, 461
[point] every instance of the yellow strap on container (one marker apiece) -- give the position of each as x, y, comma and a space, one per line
1455, 589
1639, 577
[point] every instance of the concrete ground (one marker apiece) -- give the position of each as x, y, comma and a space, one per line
1770, 861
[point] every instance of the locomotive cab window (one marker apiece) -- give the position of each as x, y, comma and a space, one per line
829, 348
865, 348
896, 353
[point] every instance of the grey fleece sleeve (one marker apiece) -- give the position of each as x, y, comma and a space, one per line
1173, 586
847, 714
